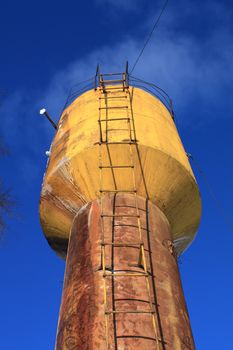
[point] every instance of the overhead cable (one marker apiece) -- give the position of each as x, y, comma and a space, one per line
157, 19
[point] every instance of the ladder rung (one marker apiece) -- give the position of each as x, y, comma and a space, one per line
123, 244
104, 98
130, 225
126, 274
109, 93
116, 142
113, 107
115, 191
109, 74
113, 81
112, 119
142, 337
129, 312
111, 89
120, 216
121, 87
115, 166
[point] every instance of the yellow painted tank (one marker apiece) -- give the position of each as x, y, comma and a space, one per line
72, 176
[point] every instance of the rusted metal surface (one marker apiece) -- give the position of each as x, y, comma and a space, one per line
85, 321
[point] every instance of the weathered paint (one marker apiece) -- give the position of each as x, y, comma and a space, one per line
82, 319
72, 176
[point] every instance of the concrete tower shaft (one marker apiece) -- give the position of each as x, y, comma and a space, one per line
82, 324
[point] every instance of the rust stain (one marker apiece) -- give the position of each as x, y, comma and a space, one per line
82, 317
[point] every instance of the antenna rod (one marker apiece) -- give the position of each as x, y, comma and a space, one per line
45, 113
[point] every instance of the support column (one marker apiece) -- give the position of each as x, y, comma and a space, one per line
85, 321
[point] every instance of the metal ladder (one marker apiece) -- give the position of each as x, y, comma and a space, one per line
114, 87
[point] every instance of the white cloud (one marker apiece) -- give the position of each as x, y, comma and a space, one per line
187, 69
192, 71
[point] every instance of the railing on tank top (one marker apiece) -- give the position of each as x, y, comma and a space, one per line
94, 81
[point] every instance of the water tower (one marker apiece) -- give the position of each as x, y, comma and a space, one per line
120, 203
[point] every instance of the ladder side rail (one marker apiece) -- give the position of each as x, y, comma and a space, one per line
113, 244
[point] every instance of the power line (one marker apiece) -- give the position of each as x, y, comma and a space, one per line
218, 204
150, 35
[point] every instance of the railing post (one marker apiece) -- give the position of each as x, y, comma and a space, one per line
127, 74
96, 75
171, 109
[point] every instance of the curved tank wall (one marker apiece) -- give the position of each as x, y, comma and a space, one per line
72, 175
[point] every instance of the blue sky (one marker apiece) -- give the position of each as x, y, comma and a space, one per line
49, 46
